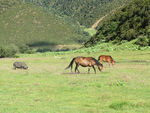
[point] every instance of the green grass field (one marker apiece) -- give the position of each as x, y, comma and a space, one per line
47, 88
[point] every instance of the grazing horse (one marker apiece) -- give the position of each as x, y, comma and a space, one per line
85, 62
106, 58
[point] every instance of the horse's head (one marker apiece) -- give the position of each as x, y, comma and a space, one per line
113, 62
100, 67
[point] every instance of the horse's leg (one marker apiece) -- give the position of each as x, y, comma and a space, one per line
94, 69
112, 64
76, 68
109, 64
88, 70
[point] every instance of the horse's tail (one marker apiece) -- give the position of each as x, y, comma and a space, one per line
71, 64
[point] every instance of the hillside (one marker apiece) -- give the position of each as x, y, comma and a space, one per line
129, 23
7, 4
86, 12
22, 23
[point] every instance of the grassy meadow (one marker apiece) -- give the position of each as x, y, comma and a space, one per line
47, 88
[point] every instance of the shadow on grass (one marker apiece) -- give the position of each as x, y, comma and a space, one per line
42, 43
134, 61
73, 73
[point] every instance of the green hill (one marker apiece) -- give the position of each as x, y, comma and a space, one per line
22, 23
86, 12
7, 4
129, 23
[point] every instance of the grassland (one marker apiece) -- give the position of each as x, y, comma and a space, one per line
47, 88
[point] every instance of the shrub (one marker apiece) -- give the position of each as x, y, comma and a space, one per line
142, 41
42, 50
24, 48
8, 51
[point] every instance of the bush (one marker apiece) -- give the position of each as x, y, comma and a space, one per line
8, 51
25, 49
142, 41
42, 50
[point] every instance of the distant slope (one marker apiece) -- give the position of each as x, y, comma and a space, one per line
86, 12
102, 18
22, 23
129, 23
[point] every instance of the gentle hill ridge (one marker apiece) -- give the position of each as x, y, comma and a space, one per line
27, 24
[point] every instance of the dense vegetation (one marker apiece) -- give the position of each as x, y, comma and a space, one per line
86, 12
129, 23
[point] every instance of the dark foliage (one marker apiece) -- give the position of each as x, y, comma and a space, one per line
130, 22
142, 41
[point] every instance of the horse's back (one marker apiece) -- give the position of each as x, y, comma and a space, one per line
106, 58
85, 61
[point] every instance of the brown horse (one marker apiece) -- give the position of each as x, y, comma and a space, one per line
106, 58
85, 62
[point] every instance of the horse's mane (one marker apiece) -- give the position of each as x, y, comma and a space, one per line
97, 62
